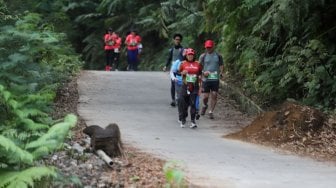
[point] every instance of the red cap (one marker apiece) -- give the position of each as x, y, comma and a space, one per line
190, 51
209, 44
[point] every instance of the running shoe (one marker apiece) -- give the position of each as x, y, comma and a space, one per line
211, 116
197, 116
193, 125
183, 122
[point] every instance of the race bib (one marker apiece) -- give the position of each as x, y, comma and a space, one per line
110, 43
191, 78
133, 43
213, 76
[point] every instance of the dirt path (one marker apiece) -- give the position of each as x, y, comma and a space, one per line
138, 103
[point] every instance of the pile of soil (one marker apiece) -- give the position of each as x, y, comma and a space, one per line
295, 128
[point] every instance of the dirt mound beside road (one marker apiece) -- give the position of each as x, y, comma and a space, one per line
293, 127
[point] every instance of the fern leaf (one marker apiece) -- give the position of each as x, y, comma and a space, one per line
71, 119
13, 103
15, 152
6, 95
33, 112
44, 150
53, 139
25, 178
32, 126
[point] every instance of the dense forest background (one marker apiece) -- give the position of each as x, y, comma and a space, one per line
273, 50
277, 49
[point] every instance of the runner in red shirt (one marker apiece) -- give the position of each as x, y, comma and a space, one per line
116, 52
191, 72
132, 42
109, 40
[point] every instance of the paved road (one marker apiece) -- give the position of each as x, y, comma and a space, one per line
138, 103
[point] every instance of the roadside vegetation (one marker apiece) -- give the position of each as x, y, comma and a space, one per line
34, 61
273, 50
277, 49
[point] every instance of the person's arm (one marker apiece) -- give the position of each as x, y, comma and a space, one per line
106, 38
221, 65
201, 62
200, 75
169, 59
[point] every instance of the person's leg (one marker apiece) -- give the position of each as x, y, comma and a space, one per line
116, 60
213, 95
136, 60
213, 101
197, 106
177, 90
172, 93
112, 60
132, 59
192, 100
205, 91
183, 105
108, 55
192, 103
129, 60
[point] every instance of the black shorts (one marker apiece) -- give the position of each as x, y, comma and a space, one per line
208, 86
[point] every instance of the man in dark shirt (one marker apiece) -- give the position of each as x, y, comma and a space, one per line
176, 52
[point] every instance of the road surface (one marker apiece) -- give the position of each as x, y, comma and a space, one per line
139, 103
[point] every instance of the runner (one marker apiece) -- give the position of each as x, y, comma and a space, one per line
176, 77
191, 72
109, 41
212, 64
176, 52
116, 52
132, 42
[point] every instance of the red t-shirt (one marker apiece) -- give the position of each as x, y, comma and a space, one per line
110, 41
194, 69
117, 45
132, 41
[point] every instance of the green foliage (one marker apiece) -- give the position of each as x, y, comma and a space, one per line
173, 173
13, 153
34, 60
24, 178
53, 139
278, 48
281, 49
